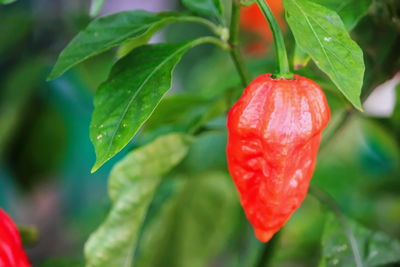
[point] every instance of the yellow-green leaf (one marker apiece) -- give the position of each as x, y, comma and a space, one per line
133, 182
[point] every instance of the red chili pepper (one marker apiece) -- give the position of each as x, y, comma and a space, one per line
11, 252
274, 135
253, 21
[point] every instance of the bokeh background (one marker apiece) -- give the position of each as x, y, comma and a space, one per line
46, 155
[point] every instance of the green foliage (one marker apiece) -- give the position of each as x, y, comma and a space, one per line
247, 2
212, 8
193, 225
374, 248
212, 144
213, 86
29, 234
14, 27
62, 263
5, 2
133, 182
95, 7
129, 96
321, 34
350, 11
176, 109
300, 58
107, 32
16, 94
396, 111
196, 222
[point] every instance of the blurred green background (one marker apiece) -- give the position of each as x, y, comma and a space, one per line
46, 155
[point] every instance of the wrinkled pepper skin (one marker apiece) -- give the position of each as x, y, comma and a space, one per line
11, 252
274, 132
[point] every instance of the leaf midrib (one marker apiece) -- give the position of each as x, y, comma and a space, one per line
333, 37
143, 30
110, 44
137, 92
116, 185
316, 37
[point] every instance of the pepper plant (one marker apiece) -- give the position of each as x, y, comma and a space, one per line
161, 196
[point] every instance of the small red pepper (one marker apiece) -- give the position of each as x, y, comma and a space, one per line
11, 252
274, 135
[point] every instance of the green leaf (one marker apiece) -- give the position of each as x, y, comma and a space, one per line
396, 112
351, 11
205, 7
95, 7
207, 153
129, 96
133, 182
16, 94
129, 45
321, 34
375, 248
150, 161
247, 2
15, 28
193, 225
107, 32
5, 2
176, 109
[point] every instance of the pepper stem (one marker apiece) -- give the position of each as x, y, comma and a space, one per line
280, 49
233, 41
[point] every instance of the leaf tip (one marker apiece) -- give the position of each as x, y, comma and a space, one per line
100, 160
96, 166
358, 106
53, 74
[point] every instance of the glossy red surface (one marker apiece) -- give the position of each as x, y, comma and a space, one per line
11, 252
274, 135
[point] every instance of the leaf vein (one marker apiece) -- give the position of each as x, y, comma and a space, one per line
137, 92
316, 37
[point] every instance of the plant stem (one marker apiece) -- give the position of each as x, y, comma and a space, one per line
210, 39
237, 59
280, 49
330, 202
233, 41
